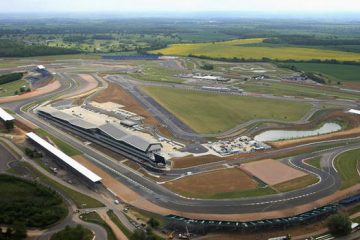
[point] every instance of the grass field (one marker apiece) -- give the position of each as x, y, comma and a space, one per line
339, 72
80, 200
66, 148
212, 113
297, 183
346, 164
118, 223
152, 71
287, 89
315, 162
239, 49
9, 89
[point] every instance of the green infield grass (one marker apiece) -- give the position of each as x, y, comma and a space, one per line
346, 165
213, 113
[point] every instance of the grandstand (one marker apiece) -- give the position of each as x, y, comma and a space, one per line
108, 135
65, 160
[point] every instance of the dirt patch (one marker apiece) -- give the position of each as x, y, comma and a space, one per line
191, 160
227, 180
118, 233
272, 172
114, 93
87, 85
297, 183
351, 85
331, 136
52, 86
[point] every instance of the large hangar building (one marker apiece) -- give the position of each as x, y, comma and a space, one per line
108, 135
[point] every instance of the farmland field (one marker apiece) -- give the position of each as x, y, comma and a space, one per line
333, 71
241, 49
211, 113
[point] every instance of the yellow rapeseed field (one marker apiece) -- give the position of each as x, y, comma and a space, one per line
239, 49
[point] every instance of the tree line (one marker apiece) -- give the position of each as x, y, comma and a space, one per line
10, 48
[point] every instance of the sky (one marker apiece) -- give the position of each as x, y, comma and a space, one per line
310, 6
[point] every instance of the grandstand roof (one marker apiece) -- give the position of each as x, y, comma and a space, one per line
5, 116
354, 111
113, 131
83, 124
65, 158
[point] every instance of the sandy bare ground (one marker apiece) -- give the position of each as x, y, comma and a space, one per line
272, 172
88, 86
114, 93
336, 135
132, 198
118, 233
40, 91
227, 180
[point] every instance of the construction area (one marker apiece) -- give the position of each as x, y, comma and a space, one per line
238, 145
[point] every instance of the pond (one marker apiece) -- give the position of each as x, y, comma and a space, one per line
275, 135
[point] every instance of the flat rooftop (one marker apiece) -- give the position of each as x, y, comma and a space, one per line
65, 158
355, 111
5, 116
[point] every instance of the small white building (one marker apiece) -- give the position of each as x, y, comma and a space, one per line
40, 67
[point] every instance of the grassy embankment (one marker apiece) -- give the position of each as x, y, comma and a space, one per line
315, 162
63, 146
118, 223
9, 83
347, 165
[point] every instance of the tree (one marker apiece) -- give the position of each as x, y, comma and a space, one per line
339, 225
138, 235
29, 152
9, 125
154, 223
19, 231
